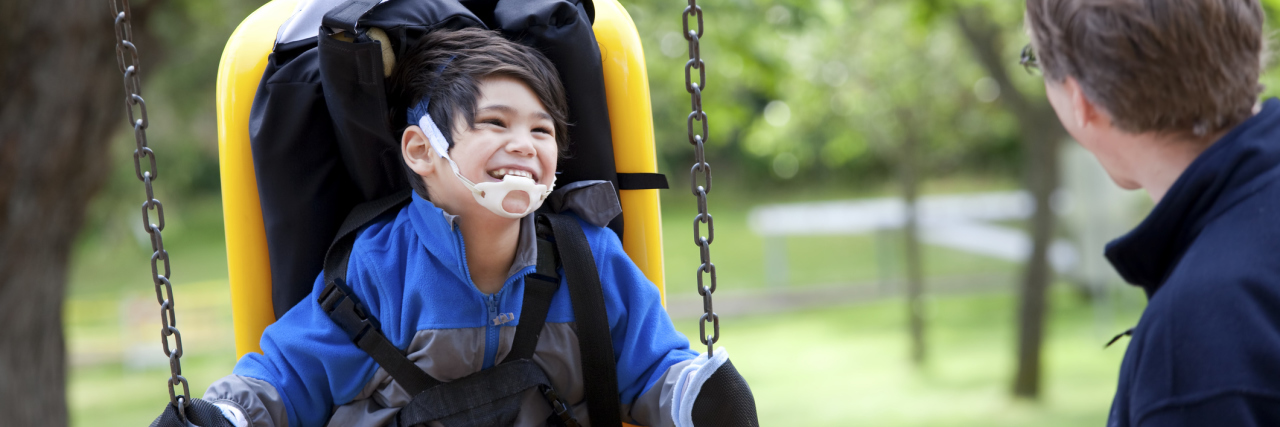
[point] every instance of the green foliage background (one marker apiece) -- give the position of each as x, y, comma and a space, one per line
807, 100
845, 79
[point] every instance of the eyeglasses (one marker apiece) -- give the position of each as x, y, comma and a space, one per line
1029, 61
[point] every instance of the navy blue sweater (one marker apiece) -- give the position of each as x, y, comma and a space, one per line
1206, 351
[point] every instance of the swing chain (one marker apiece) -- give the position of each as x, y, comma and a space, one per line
700, 174
127, 57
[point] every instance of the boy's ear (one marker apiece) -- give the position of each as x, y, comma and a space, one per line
417, 152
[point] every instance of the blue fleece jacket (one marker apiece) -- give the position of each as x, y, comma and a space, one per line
1206, 351
410, 271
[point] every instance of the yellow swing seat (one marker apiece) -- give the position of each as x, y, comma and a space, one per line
245, 58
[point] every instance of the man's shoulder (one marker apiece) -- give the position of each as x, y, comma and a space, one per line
1212, 330
1228, 272
1237, 255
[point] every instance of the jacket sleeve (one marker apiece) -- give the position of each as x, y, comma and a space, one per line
648, 348
307, 364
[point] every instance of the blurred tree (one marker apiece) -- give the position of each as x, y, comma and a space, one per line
984, 25
794, 92
909, 167
1041, 134
913, 88
62, 103
62, 107
831, 93
816, 92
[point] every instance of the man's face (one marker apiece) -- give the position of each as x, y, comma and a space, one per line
512, 135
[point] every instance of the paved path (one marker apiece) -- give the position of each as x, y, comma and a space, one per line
778, 300
964, 222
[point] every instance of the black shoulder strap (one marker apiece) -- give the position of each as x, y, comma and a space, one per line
341, 305
539, 288
345, 16
335, 259
599, 368
642, 181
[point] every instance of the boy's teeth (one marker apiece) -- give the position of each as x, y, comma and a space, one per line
502, 173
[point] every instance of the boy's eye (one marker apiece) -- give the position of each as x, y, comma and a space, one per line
495, 122
543, 130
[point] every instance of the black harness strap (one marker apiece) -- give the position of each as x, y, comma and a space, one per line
599, 368
642, 181
346, 15
491, 397
341, 305
539, 288
335, 260
363, 330
487, 398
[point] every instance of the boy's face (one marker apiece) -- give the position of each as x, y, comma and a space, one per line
512, 135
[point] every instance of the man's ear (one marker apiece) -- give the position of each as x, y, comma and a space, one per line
417, 152
1086, 113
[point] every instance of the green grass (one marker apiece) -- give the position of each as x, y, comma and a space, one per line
828, 366
849, 365
832, 366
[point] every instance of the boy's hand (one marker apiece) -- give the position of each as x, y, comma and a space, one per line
199, 413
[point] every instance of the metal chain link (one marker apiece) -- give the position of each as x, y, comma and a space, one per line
701, 173
127, 57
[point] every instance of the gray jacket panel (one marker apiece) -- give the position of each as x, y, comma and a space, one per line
653, 408
258, 400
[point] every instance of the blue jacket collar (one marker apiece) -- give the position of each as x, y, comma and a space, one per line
1233, 168
438, 232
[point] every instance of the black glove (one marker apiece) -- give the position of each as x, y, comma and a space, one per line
199, 412
725, 400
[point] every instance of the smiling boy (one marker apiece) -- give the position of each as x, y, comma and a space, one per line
484, 124
1164, 93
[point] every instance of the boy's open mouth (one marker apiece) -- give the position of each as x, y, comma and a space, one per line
501, 173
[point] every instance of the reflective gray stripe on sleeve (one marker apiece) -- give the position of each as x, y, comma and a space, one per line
653, 408
257, 399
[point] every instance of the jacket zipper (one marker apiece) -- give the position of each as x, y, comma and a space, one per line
491, 331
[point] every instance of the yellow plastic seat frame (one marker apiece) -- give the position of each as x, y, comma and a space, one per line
245, 58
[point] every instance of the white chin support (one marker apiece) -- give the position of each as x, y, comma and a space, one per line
489, 194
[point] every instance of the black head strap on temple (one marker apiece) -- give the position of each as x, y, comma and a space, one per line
416, 112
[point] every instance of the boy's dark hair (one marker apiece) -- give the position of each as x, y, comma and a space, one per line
447, 66
1170, 66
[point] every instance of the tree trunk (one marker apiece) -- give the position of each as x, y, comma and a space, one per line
909, 170
61, 103
1042, 176
1041, 133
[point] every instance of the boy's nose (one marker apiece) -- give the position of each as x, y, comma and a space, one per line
522, 145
